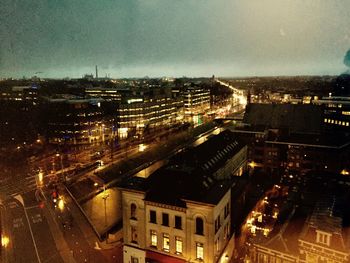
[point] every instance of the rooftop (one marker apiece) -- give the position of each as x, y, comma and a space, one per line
190, 175
299, 118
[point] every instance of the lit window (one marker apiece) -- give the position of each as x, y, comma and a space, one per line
178, 245
153, 238
166, 242
199, 251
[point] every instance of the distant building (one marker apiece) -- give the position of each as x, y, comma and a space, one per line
77, 121
295, 118
183, 212
28, 94
294, 139
336, 112
196, 100
108, 94
141, 113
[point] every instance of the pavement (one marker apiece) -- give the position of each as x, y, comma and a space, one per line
80, 238
26, 227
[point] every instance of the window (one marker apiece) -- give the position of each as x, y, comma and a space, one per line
227, 231
217, 224
178, 245
134, 259
199, 226
165, 219
199, 251
153, 238
178, 222
133, 235
133, 211
227, 210
217, 245
166, 242
323, 238
153, 216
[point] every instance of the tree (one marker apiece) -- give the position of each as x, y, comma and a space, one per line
347, 59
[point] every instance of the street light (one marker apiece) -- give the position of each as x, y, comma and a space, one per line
40, 179
142, 147
61, 204
5, 241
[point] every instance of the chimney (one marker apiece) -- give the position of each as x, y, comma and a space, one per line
96, 72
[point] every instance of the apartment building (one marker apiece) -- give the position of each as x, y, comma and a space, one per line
182, 212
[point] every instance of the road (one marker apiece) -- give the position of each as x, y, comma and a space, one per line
26, 227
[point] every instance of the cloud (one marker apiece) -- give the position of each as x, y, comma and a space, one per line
72, 36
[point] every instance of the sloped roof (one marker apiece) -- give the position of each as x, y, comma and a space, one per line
190, 175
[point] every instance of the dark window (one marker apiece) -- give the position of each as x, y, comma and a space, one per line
227, 210
153, 217
165, 219
133, 211
217, 224
199, 226
133, 235
178, 222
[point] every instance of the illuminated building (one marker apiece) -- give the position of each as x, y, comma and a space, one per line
140, 114
182, 212
19, 115
323, 238
108, 94
336, 112
311, 229
196, 100
20, 94
77, 121
295, 138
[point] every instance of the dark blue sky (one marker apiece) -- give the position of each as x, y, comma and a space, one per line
135, 38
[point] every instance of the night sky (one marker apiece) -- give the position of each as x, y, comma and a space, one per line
135, 38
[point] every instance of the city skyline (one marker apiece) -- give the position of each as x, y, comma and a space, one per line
166, 38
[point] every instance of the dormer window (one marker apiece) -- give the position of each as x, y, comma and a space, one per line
323, 238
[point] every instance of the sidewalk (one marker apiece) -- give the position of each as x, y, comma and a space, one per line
60, 242
85, 226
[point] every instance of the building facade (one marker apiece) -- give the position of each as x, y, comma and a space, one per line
139, 114
182, 213
77, 121
196, 100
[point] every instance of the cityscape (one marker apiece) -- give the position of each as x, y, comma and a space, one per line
161, 160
